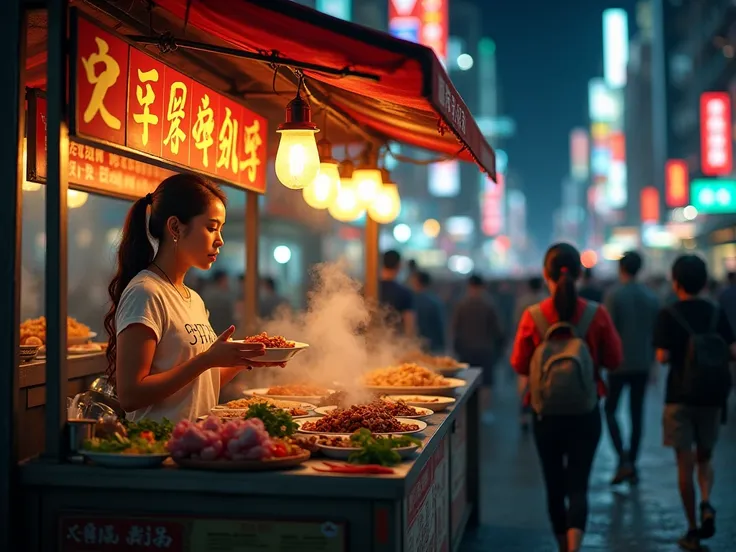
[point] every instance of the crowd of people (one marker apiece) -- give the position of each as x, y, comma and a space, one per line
577, 344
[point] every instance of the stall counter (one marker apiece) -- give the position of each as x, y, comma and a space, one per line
426, 505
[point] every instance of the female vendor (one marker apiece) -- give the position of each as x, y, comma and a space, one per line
164, 357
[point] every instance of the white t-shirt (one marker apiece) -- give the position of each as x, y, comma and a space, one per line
182, 331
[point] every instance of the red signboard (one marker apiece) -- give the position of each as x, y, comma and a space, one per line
649, 204
716, 148
676, 183
123, 98
90, 168
422, 21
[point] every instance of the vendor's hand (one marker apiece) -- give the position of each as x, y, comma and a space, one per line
231, 354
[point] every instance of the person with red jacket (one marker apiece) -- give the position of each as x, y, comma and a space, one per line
566, 444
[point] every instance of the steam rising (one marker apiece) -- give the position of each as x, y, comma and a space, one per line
345, 335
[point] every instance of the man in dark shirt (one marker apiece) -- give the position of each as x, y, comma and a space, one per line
687, 427
430, 314
589, 290
395, 298
633, 308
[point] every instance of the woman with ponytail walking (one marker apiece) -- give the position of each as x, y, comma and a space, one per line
560, 346
164, 357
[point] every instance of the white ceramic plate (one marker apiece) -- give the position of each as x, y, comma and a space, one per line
241, 412
445, 390
281, 355
342, 453
84, 349
421, 424
281, 404
438, 404
263, 392
450, 371
114, 460
422, 412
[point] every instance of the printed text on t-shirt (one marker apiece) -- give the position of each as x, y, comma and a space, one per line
201, 333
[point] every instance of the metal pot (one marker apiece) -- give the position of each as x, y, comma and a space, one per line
78, 431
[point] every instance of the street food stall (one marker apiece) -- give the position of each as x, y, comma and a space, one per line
116, 132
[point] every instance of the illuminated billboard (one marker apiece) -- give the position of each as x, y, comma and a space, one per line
579, 154
422, 21
615, 47
716, 148
713, 196
342, 9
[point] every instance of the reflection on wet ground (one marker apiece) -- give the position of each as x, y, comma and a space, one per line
647, 518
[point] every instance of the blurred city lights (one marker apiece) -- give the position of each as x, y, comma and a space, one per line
465, 62
460, 264
690, 212
589, 258
431, 228
402, 233
281, 254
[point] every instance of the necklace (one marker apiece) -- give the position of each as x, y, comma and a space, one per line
188, 298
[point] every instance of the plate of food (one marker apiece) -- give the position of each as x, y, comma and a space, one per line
372, 417
118, 451
33, 332
437, 403
85, 348
235, 445
362, 445
410, 378
278, 348
28, 352
395, 408
295, 408
445, 365
307, 393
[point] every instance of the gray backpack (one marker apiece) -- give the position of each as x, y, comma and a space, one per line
562, 374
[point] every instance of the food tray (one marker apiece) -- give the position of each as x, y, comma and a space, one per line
342, 453
243, 465
423, 412
241, 412
438, 404
447, 370
117, 460
422, 426
444, 390
262, 392
284, 354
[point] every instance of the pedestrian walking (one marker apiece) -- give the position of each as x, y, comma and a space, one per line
633, 308
560, 345
695, 338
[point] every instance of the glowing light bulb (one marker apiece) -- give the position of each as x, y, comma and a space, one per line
297, 159
387, 204
368, 184
346, 207
75, 198
321, 193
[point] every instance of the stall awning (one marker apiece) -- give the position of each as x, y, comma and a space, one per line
414, 102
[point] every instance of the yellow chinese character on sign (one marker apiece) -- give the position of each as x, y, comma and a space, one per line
203, 128
89, 172
102, 83
146, 118
252, 142
175, 114
99, 156
104, 176
228, 143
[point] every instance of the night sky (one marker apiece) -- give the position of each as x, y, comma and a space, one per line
546, 55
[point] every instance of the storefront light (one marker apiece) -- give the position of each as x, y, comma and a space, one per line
346, 207
75, 198
297, 159
690, 213
431, 228
402, 233
386, 206
367, 178
282, 254
321, 193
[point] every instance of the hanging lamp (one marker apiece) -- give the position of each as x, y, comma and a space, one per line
297, 159
367, 176
324, 188
346, 207
386, 206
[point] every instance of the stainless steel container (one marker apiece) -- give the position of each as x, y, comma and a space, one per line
78, 431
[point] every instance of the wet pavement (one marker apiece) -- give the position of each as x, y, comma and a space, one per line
646, 518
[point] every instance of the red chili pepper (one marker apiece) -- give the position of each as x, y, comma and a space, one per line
148, 436
350, 468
